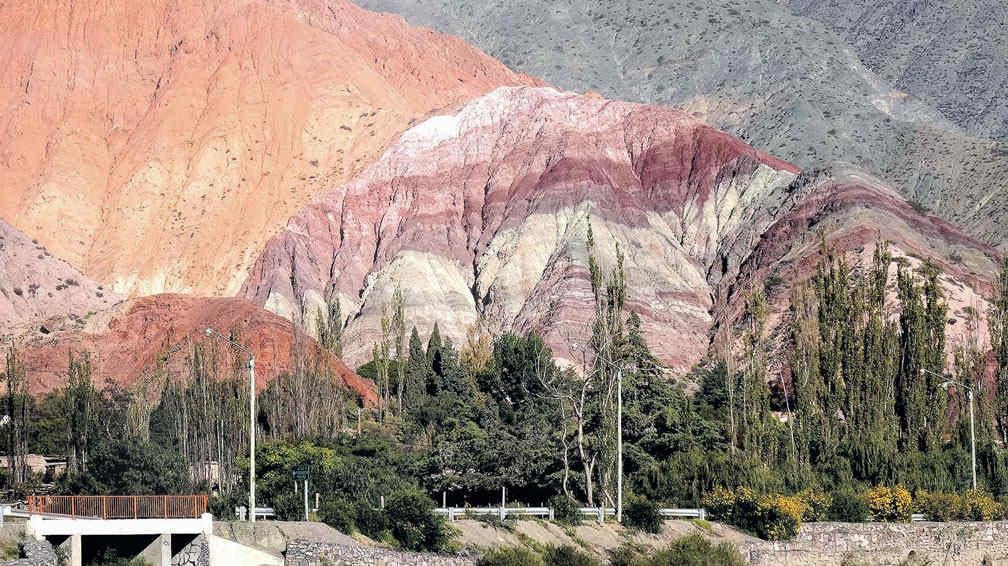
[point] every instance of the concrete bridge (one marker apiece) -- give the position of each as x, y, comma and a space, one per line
158, 529
162, 530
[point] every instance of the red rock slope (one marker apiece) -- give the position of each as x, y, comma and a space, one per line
484, 214
157, 144
35, 286
126, 342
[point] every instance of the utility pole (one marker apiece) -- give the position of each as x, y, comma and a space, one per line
252, 438
252, 417
619, 446
972, 437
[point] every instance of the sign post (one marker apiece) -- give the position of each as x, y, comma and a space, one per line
301, 474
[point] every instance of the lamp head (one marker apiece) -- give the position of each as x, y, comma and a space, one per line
945, 385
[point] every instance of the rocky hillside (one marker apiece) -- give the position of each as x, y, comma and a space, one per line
157, 145
36, 286
945, 53
126, 342
866, 91
483, 215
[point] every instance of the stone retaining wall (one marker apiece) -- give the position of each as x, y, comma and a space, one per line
886, 543
309, 553
34, 553
196, 553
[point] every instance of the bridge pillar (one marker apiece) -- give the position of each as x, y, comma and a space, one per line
166, 547
159, 551
76, 552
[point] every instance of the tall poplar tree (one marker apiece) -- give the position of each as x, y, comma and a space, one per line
18, 400
998, 325
920, 400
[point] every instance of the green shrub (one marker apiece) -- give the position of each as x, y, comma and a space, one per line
339, 514
412, 522
288, 506
696, 550
567, 555
566, 511
937, 506
510, 556
372, 522
849, 507
642, 514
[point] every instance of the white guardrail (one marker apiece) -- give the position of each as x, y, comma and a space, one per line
598, 513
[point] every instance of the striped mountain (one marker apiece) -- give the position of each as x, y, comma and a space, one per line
482, 216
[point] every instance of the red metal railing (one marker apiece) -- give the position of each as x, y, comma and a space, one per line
120, 506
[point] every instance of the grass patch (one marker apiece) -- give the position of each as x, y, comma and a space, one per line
702, 524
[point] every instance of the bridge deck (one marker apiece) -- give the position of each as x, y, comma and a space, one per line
42, 526
120, 506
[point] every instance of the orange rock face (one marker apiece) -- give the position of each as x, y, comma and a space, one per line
130, 339
157, 145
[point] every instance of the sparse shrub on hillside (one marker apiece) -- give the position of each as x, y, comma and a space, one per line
914, 559
690, 550
510, 556
919, 207
567, 555
9, 549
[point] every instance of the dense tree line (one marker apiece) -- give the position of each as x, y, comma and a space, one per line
858, 402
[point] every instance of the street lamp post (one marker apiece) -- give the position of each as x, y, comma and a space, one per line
252, 419
969, 395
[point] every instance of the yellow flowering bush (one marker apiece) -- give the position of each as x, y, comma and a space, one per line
890, 504
720, 503
817, 505
782, 515
769, 516
974, 505
978, 505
